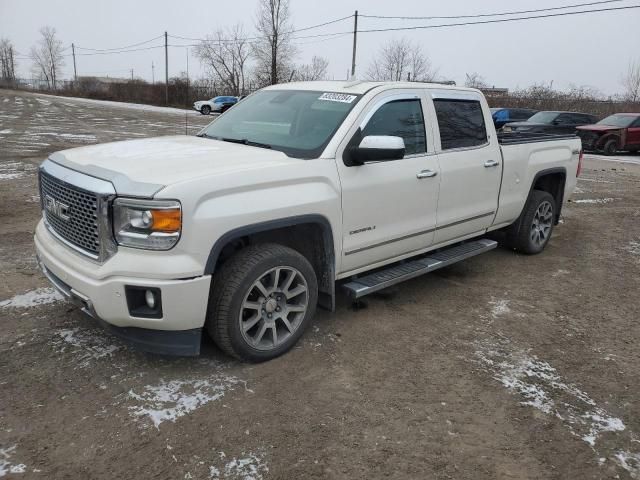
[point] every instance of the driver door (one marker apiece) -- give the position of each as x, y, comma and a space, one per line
389, 207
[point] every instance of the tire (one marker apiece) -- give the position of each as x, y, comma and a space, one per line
535, 226
610, 147
205, 110
248, 322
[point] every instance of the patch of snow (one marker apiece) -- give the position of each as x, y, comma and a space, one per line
560, 272
6, 466
541, 387
595, 200
5, 131
633, 248
596, 180
174, 399
132, 106
249, 467
630, 462
499, 307
34, 298
72, 136
87, 346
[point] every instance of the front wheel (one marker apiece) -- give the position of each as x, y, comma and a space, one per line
535, 224
261, 302
610, 147
205, 110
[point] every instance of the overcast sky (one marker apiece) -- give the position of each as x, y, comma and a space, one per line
592, 49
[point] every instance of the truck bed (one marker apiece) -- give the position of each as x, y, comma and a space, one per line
512, 138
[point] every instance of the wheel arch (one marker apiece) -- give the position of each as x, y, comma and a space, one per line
311, 235
552, 180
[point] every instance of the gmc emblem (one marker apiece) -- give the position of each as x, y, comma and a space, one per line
56, 207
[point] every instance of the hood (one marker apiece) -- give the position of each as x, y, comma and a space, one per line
599, 128
142, 167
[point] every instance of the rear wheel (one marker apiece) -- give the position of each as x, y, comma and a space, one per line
535, 224
205, 110
610, 147
262, 300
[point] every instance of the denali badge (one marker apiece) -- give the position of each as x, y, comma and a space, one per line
59, 209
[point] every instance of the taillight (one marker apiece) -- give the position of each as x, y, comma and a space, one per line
579, 163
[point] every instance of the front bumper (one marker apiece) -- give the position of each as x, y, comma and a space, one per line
184, 302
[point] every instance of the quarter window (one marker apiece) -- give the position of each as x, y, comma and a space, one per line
461, 123
400, 118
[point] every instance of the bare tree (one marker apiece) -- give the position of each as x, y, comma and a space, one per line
273, 50
226, 55
47, 56
7, 61
401, 59
316, 70
475, 80
631, 82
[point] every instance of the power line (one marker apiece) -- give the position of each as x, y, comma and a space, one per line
501, 20
121, 51
260, 37
120, 48
498, 14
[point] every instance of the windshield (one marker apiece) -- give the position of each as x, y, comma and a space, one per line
299, 123
617, 120
543, 117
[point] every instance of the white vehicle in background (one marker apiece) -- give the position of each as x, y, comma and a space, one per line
241, 231
215, 105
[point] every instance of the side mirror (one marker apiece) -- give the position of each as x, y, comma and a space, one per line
378, 148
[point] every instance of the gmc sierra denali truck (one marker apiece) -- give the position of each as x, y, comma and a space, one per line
244, 229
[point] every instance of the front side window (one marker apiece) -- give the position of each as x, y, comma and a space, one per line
617, 121
461, 123
400, 118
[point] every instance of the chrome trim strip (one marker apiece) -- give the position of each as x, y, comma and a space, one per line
77, 179
423, 232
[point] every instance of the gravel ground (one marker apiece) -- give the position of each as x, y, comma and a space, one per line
503, 366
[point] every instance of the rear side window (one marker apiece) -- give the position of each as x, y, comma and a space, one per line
461, 123
400, 118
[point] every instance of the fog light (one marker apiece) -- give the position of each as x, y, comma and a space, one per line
150, 298
144, 302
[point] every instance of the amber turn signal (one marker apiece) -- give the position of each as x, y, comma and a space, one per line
166, 220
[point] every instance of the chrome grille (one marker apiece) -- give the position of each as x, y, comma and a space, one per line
81, 229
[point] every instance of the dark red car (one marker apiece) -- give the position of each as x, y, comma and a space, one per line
618, 132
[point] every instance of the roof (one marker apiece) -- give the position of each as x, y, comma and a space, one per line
358, 87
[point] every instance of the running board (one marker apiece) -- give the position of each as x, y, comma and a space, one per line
361, 286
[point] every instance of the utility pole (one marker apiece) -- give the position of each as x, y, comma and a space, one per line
355, 38
166, 69
75, 72
153, 74
132, 74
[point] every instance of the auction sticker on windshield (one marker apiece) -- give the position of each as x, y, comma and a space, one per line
337, 97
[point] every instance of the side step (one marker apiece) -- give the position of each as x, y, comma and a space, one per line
361, 286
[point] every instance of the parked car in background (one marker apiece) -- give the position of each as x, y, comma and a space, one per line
552, 122
618, 132
502, 116
216, 105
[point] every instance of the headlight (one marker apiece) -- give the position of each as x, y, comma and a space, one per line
148, 224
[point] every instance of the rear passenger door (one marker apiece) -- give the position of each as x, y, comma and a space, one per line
470, 165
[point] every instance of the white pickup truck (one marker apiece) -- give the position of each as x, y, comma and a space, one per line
243, 229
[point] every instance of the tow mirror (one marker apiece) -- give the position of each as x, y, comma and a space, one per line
378, 148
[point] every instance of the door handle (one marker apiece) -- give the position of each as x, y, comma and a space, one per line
491, 163
426, 174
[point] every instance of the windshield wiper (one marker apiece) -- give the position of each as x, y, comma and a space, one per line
244, 141
204, 135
